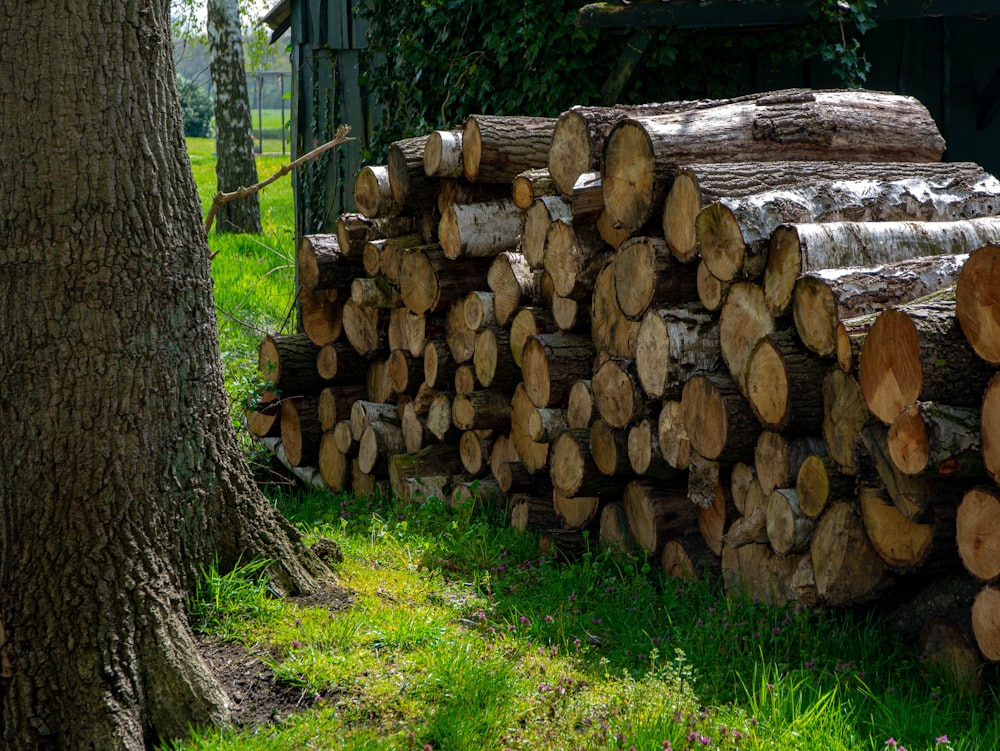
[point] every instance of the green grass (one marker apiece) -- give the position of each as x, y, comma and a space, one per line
461, 637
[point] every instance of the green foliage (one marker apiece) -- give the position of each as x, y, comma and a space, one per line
435, 62
225, 601
197, 108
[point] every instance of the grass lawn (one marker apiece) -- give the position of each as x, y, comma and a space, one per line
451, 633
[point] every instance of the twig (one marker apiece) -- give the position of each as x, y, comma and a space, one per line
220, 198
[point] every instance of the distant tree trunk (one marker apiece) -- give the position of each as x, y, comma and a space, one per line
235, 167
122, 477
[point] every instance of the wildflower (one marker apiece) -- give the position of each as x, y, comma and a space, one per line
891, 743
525, 620
548, 619
296, 644
667, 746
942, 740
571, 596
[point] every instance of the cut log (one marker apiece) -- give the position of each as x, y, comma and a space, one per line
474, 449
480, 230
954, 654
976, 302
569, 314
743, 322
588, 198
704, 478
901, 543
713, 521
778, 458
465, 379
375, 292
335, 403
844, 415
545, 425
353, 232
362, 483
479, 310
644, 454
986, 622
609, 449
718, 419
405, 373
680, 211
321, 264
740, 477
675, 445
611, 330
614, 532
619, 398
580, 405
538, 219
491, 360
430, 281
911, 495
758, 573
407, 178
364, 412
344, 440
672, 345
439, 365
496, 149
481, 410
784, 384
917, 352
711, 290
528, 322
513, 476
789, 530
734, 233
689, 560
436, 460
532, 184
476, 492
415, 432
796, 249
656, 514
576, 512
458, 191
300, 430
322, 319
818, 483
990, 428
572, 468
443, 154
532, 454
287, 364
532, 512
373, 194
841, 125
937, 440
646, 275
339, 361
439, 420
334, 466
513, 284
460, 338
749, 529
574, 255
363, 329
846, 567
410, 332
978, 532
378, 383
552, 363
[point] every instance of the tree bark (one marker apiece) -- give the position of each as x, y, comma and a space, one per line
551, 364
373, 194
375, 292
975, 302
784, 384
675, 445
532, 184
796, 249
481, 410
496, 149
443, 154
322, 265
545, 425
656, 514
407, 179
532, 512
574, 255
300, 430
937, 440
513, 284
990, 428
236, 167
619, 398
125, 479
430, 281
789, 530
646, 276
492, 361
480, 230
718, 419
609, 449
287, 363
846, 567
340, 362
844, 415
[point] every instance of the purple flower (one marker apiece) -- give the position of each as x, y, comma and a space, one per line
891, 743
548, 619
296, 644
942, 740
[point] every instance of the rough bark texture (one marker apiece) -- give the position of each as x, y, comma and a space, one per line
497, 149
236, 166
102, 577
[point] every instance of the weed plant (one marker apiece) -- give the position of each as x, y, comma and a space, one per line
460, 636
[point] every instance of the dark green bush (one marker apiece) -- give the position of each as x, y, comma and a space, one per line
197, 108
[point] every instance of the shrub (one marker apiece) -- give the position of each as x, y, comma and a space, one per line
197, 108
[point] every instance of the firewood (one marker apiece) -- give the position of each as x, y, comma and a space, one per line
817, 483
415, 432
287, 364
379, 383
340, 362
618, 396
459, 191
405, 373
335, 403
718, 419
334, 465
689, 560
795, 249
551, 364
986, 622
609, 449
917, 351
847, 568
545, 425
408, 181
375, 292
572, 468
937, 439
657, 513
711, 290
532, 512
675, 445
614, 532
496, 149
576, 512
844, 415
532, 184
474, 448
777, 458
532, 454
300, 430
439, 420
479, 310
363, 329
757, 572
488, 409
588, 198
477, 491
789, 530
740, 477
262, 415
373, 194
443, 154
784, 384
492, 362
480, 230
513, 285
953, 652
344, 440
362, 483
749, 529
430, 282
580, 410
436, 460
322, 265
977, 525
743, 322
529, 321
574, 255
644, 453
465, 379
714, 520
364, 412
611, 330
975, 304
439, 365
460, 338
990, 428
322, 319
538, 220
646, 275
911, 495
902, 543
704, 478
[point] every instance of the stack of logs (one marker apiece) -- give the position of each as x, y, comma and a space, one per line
756, 337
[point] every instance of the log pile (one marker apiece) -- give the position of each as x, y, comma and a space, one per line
755, 337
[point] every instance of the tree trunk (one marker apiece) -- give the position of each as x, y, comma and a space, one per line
917, 351
796, 249
103, 577
975, 302
718, 419
734, 233
497, 149
782, 125
236, 167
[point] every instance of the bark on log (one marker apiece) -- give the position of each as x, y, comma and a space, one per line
430, 281
711, 291
439, 420
784, 384
917, 351
439, 365
689, 560
443, 154
675, 445
460, 338
436, 460
334, 465
990, 428
373, 194
576, 512
611, 330
335, 403
538, 220
495, 149
778, 458
364, 412
644, 453
513, 284
975, 302
375, 292
551, 364
912, 495
614, 532
618, 396
937, 440
545, 425
532, 454
339, 361
322, 319
491, 360
796, 249
749, 529
300, 430
609, 449
532, 512
718, 419
480, 230
363, 329
844, 415
734, 233
580, 405
846, 567
704, 477
476, 491
457, 191
743, 322
481, 410
407, 179
903, 544
656, 514
528, 322
574, 255
588, 198
646, 276
572, 468
322, 265
287, 364
817, 483
532, 184
789, 530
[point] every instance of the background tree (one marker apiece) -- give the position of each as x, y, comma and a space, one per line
235, 167
121, 473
